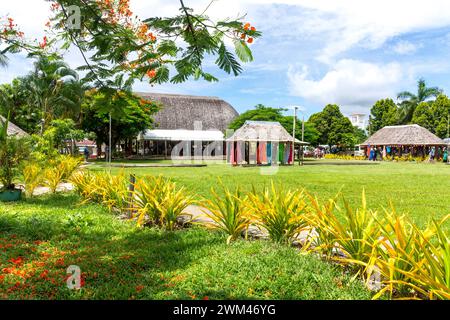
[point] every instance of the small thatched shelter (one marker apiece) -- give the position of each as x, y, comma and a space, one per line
13, 130
196, 121
261, 142
397, 140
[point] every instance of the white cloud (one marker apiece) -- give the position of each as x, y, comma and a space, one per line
406, 47
350, 83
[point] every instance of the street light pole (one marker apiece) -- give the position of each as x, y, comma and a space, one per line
110, 141
303, 137
293, 135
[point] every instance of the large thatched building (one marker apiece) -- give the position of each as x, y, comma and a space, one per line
398, 140
13, 130
261, 142
196, 121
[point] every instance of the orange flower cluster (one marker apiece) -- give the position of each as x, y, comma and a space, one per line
248, 30
44, 43
8, 28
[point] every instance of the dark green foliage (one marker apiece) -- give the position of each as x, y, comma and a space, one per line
383, 113
434, 115
130, 114
333, 127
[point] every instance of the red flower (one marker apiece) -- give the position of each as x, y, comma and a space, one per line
206, 298
17, 261
250, 40
44, 274
139, 288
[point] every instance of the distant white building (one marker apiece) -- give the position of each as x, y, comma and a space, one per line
358, 120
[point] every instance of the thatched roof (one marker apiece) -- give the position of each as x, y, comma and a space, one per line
13, 129
262, 131
407, 135
182, 111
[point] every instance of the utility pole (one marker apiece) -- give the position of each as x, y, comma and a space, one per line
303, 138
293, 135
448, 126
110, 142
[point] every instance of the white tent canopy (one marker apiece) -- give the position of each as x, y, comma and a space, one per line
181, 135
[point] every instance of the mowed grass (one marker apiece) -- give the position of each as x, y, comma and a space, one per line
40, 238
420, 190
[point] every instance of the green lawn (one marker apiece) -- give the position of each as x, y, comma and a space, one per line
420, 190
40, 237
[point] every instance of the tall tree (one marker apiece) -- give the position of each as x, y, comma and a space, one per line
13, 101
130, 115
53, 89
383, 113
334, 128
410, 101
434, 115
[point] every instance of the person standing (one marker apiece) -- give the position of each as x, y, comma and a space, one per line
432, 153
86, 154
445, 155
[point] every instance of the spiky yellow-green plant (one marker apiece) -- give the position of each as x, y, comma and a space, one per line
281, 212
158, 201
228, 212
32, 175
352, 235
396, 252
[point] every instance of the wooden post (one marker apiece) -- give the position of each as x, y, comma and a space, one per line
131, 194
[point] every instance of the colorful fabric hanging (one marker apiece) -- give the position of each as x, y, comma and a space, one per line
263, 152
239, 152
287, 151
269, 152
258, 153
232, 148
291, 155
280, 152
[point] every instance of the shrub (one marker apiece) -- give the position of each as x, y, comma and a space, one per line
60, 170
228, 212
159, 202
354, 236
103, 188
33, 177
280, 212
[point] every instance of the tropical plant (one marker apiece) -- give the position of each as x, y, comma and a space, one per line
281, 212
158, 201
107, 189
13, 151
54, 89
355, 234
228, 212
33, 177
60, 170
410, 101
396, 254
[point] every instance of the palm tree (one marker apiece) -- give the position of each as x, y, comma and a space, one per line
410, 101
3, 60
54, 88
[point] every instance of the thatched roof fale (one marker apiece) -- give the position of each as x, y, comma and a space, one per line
263, 131
13, 130
187, 112
406, 135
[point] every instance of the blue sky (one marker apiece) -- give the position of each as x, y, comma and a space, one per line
312, 52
